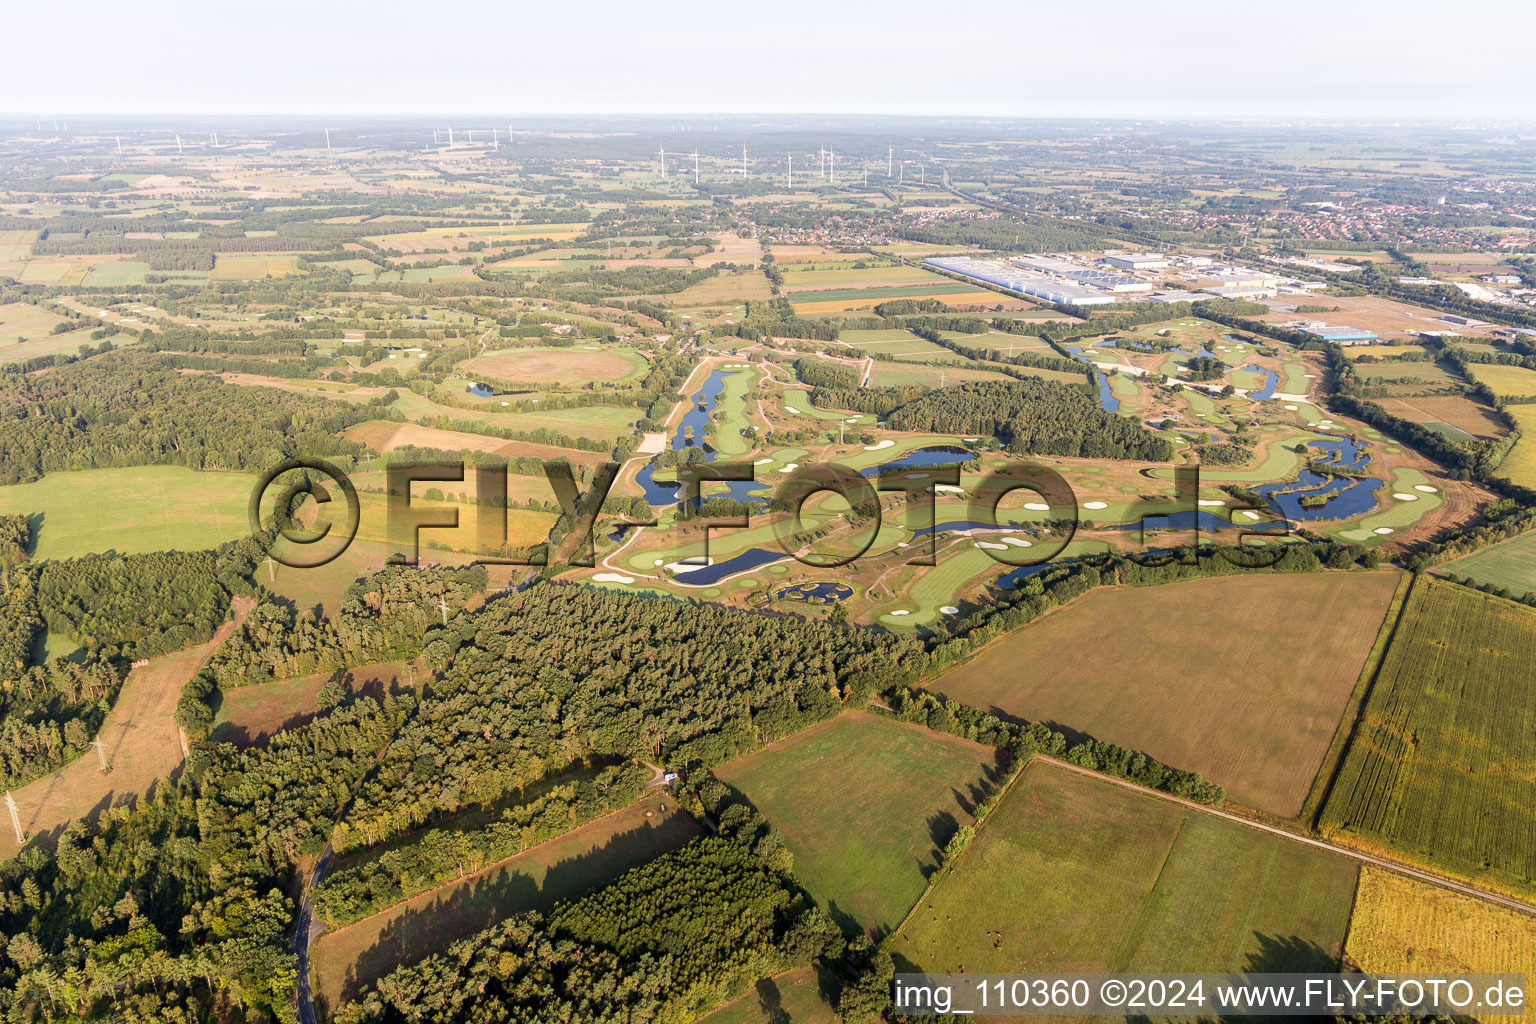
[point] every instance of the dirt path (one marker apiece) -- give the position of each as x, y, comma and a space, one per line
143, 744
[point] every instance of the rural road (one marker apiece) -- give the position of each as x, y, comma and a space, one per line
1343, 851
305, 931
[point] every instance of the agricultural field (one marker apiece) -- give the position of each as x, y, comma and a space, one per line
148, 508
1403, 926
848, 300
1438, 769
250, 268
564, 867
571, 365
1510, 565
864, 847
1505, 381
1071, 872
1520, 464
1190, 673
22, 320
1458, 417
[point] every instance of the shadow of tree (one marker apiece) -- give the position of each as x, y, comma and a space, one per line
431, 922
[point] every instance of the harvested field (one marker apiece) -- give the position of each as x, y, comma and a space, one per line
573, 365
1242, 678
386, 436
1401, 926
1464, 414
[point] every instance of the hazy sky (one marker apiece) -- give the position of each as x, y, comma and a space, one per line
1406, 58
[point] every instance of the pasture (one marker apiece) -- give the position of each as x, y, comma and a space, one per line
1520, 464
1511, 565
584, 858
569, 366
249, 715
865, 804
795, 997
24, 320
146, 508
1505, 381
1071, 872
1402, 926
1241, 678
1440, 766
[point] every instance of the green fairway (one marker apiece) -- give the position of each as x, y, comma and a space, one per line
732, 406
865, 804
149, 508
1073, 873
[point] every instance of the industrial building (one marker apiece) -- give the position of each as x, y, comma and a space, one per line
1138, 261
1242, 291
1076, 273
1004, 276
1178, 296
1345, 335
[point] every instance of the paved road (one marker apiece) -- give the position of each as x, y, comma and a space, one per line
307, 929
1321, 844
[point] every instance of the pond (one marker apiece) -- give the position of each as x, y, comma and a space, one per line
1271, 382
1107, 400
709, 575
923, 458
1346, 496
823, 592
690, 433
1190, 519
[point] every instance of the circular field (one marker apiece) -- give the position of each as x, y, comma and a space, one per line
574, 365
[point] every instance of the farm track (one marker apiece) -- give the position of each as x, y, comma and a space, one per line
1321, 844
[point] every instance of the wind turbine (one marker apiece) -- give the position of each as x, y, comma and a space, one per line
695, 165
450, 136
178, 145
119, 139
327, 138
890, 152
832, 166
495, 142
663, 160
789, 170
743, 159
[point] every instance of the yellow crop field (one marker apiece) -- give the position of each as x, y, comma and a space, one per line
1506, 381
1520, 464
247, 268
1408, 927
